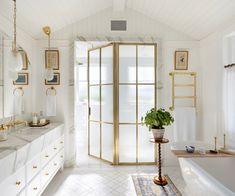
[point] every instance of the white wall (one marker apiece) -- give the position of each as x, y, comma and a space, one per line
212, 60
64, 91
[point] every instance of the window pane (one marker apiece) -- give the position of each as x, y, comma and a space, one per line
146, 64
127, 64
127, 103
95, 103
94, 66
107, 142
95, 139
107, 64
107, 103
127, 143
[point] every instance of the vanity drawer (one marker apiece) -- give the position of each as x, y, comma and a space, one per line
34, 187
46, 155
46, 174
13, 184
33, 167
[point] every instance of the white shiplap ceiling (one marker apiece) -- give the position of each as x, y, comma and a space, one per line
196, 18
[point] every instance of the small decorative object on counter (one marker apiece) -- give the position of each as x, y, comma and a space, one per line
3, 133
35, 118
190, 149
156, 120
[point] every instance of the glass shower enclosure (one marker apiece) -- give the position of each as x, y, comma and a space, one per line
121, 88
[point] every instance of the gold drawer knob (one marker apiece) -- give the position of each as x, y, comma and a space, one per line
47, 156
35, 167
55, 148
55, 164
35, 188
18, 183
61, 156
46, 174
61, 142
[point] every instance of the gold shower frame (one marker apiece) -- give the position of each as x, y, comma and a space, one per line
116, 84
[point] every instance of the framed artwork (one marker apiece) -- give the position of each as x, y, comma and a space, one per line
25, 60
23, 79
54, 81
52, 59
181, 60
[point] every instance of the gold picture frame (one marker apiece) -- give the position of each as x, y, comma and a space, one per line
181, 60
52, 59
23, 79
55, 80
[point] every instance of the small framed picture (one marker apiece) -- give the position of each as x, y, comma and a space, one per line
25, 60
23, 79
181, 60
52, 59
54, 81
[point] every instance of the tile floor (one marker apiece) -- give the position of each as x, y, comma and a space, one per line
101, 179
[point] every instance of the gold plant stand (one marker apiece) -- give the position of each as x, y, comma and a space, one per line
159, 179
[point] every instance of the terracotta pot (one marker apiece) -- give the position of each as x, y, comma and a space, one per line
158, 134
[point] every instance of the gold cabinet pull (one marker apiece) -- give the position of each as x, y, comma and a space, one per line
35, 167
55, 148
47, 156
55, 164
46, 174
35, 188
18, 183
61, 142
61, 156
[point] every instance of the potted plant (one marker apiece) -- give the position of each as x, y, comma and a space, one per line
156, 120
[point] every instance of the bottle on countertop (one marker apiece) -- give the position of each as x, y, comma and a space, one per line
35, 118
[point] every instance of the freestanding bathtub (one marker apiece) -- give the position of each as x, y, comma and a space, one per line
209, 176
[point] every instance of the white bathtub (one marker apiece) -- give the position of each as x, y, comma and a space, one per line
209, 176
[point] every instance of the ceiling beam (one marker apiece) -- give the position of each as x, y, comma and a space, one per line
119, 5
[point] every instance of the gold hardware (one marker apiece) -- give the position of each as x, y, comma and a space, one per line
225, 141
19, 88
194, 97
55, 164
3, 127
47, 30
52, 88
47, 156
35, 188
61, 156
35, 167
61, 142
18, 183
46, 174
55, 148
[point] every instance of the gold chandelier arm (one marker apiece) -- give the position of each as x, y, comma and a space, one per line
14, 20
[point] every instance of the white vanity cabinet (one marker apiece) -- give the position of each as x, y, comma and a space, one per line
39, 167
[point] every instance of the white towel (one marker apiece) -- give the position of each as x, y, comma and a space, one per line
51, 105
184, 124
18, 107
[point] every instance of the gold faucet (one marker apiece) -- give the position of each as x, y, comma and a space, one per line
13, 123
20, 122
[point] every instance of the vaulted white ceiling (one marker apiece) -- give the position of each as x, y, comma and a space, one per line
196, 18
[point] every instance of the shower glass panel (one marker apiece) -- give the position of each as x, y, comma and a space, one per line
100, 95
122, 87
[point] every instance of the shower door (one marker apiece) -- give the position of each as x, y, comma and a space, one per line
121, 88
100, 95
137, 95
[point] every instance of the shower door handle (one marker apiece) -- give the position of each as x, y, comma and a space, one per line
89, 111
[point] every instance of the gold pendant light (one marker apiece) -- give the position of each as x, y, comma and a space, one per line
49, 73
15, 57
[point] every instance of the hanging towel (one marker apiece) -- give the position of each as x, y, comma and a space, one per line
51, 105
184, 124
18, 107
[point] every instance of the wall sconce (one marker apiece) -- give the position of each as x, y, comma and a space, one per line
49, 72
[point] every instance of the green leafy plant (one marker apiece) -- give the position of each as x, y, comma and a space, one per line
157, 119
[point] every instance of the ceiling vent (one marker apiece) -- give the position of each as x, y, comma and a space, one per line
118, 25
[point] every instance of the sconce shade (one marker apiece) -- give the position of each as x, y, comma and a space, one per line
15, 61
13, 75
49, 74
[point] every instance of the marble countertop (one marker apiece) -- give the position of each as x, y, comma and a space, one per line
23, 144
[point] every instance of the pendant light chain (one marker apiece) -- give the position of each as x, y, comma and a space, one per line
14, 18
